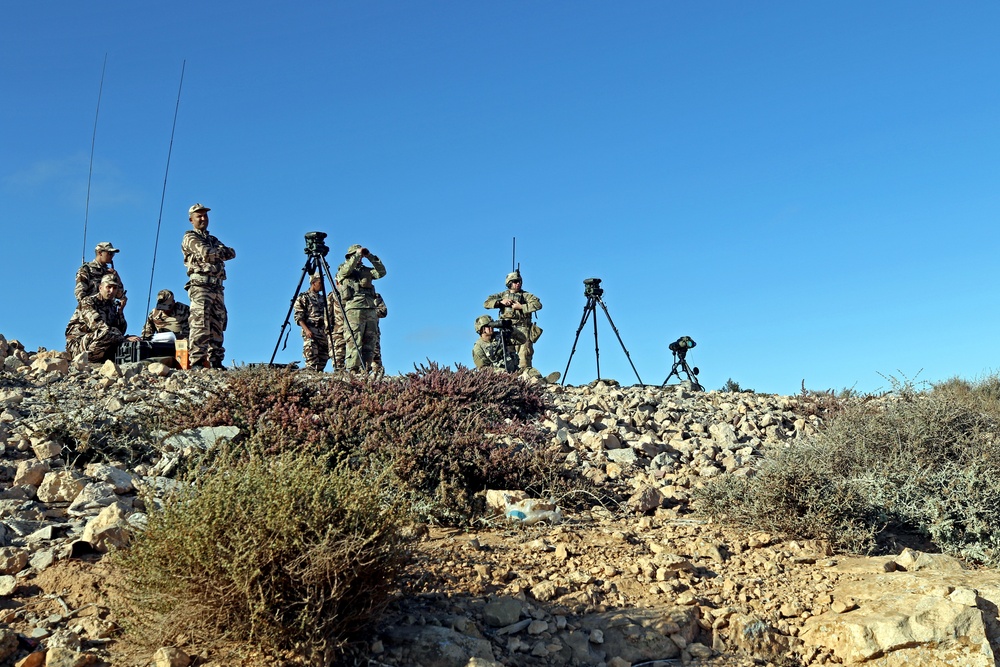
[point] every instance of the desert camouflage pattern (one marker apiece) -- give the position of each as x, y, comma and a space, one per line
381, 311
310, 309
176, 320
205, 258
521, 319
359, 297
97, 327
490, 353
337, 335
88, 279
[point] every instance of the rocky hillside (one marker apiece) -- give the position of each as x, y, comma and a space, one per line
641, 580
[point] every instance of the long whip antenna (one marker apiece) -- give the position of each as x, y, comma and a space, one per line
163, 194
90, 174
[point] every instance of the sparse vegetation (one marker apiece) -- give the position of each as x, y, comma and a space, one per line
444, 434
925, 462
280, 553
733, 387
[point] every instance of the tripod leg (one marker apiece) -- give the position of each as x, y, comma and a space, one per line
597, 349
615, 329
587, 310
291, 306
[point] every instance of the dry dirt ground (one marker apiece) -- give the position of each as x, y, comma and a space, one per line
591, 564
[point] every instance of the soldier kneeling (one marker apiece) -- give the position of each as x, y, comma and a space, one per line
496, 349
98, 325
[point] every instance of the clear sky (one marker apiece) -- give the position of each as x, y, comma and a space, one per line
807, 189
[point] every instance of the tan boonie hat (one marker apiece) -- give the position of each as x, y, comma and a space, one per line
106, 246
165, 297
353, 249
512, 277
482, 321
198, 207
109, 279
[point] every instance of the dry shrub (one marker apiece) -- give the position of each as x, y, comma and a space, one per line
445, 434
277, 553
918, 462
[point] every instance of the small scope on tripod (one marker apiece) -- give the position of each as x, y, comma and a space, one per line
315, 244
592, 287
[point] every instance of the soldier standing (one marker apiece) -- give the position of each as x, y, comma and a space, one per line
205, 258
168, 315
355, 280
88, 276
517, 306
380, 311
337, 336
311, 315
488, 351
98, 325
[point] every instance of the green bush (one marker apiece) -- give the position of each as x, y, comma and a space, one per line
445, 435
277, 553
924, 462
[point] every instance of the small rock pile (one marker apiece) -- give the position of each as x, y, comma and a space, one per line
56, 414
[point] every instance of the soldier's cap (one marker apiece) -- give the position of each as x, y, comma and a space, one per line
198, 207
353, 249
109, 279
164, 298
316, 276
482, 321
106, 246
513, 276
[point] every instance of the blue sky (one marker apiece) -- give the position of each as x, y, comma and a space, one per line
809, 190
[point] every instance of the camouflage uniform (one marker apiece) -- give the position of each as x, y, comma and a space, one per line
309, 309
490, 353
168, 315
88, 276
381, 311
337, 335
355, 280
97, 327
521, 319
205, 257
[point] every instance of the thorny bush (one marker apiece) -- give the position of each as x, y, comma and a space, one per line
445, 434
275, 554
923, 462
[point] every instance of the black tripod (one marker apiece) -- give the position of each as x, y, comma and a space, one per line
592, 290
680, 348
316, 251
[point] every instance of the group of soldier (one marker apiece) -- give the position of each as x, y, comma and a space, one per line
346, 319
344, 322
98, 324
508, 343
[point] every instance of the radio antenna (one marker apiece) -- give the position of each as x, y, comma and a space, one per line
163, 194
90, 174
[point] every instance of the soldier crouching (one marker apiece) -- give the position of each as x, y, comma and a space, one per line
98, 325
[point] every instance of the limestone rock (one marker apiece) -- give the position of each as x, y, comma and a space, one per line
61, 486
12, 560
109, 529
946, 632
170, 656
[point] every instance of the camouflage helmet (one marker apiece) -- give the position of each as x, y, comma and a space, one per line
106, 247
110, 279
482, 321
513, 276
316, 276
353, 249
